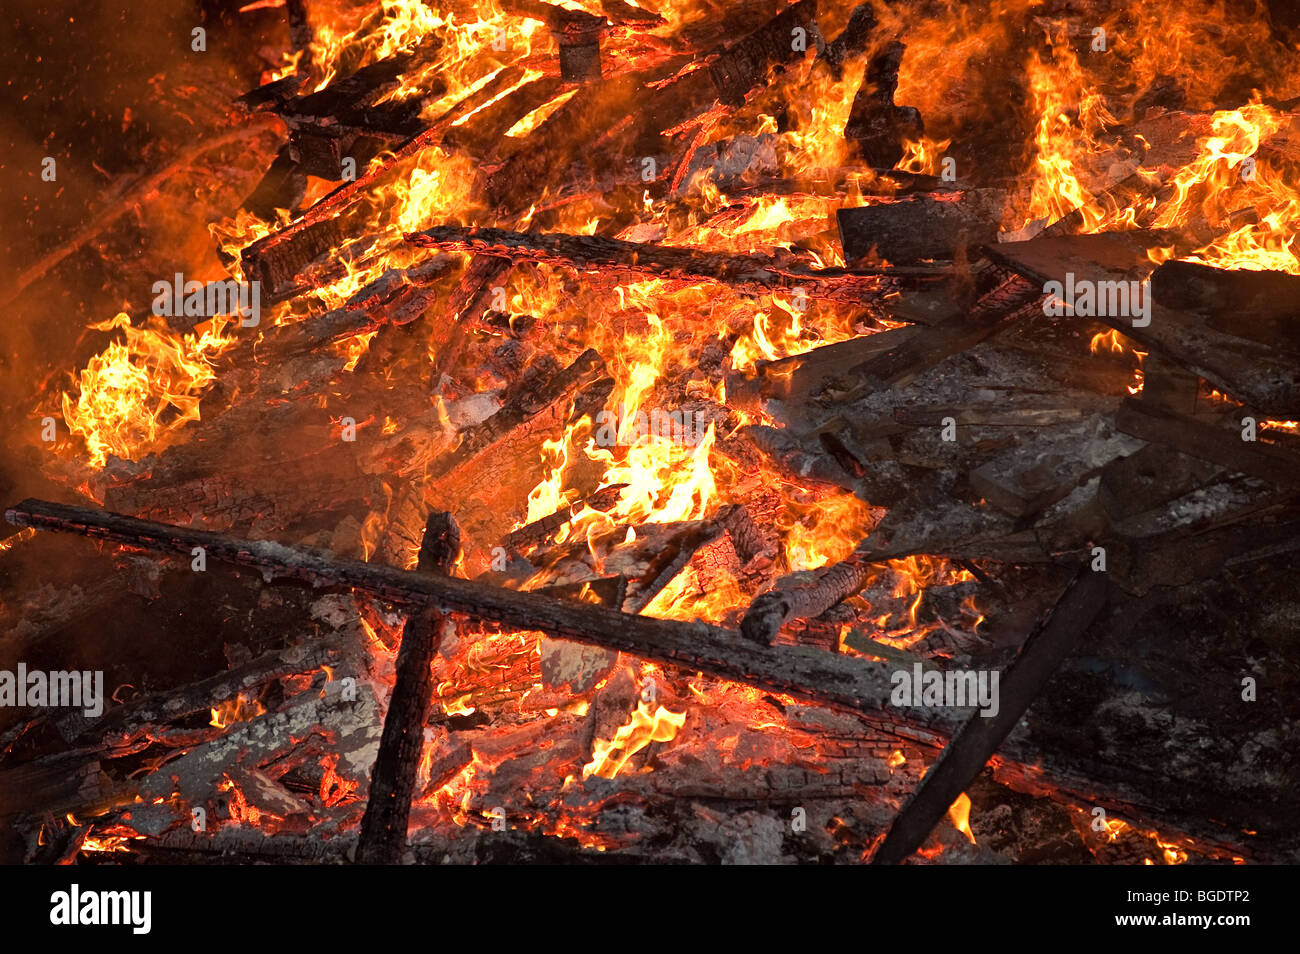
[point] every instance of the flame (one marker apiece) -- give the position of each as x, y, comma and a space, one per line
609, 757
923, 156
959, 812
134, 393
239, 709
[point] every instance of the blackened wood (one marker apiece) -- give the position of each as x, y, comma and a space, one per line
280, 255
300, 34
1150, 478
606, 591
770, 611
740, 67
282, 187
121, 724
968, 752
920, 226
468, 300
535, 533
878, 125
1013, 299
1178, 557
1168, 385
668, 562
1209, 442
392, 780
748, 541
817, 677
851, 41
596, 253
396, 297
584, 372
277, 265
1261, 306
1254, 373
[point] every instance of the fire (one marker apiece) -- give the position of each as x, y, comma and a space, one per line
923, 156
825, 532
1225, 179
609, 756
239, 709
136, 392
959, 812
1070, 118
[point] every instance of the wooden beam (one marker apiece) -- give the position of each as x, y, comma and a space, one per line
392, 781
979, 738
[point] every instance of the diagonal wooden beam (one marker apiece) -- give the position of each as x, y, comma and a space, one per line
972, 747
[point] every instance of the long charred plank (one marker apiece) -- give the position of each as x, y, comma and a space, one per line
811, 675
817, 677
969, 751
392, 781
1009, 301
1204, 441
591, 253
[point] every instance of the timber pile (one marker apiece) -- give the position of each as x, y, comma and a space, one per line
1102, 509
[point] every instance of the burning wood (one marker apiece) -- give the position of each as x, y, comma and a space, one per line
954, 392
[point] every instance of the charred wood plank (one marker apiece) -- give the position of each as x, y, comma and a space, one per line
817, 677
124, 723
1262, 306
1014, 298
1215, 444
917, 227
963, 758
392, 781
739, 67
1112, 264
592, 253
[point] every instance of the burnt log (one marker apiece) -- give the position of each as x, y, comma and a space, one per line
918, 227
741, 66
392, 781
770, 611
748, 273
